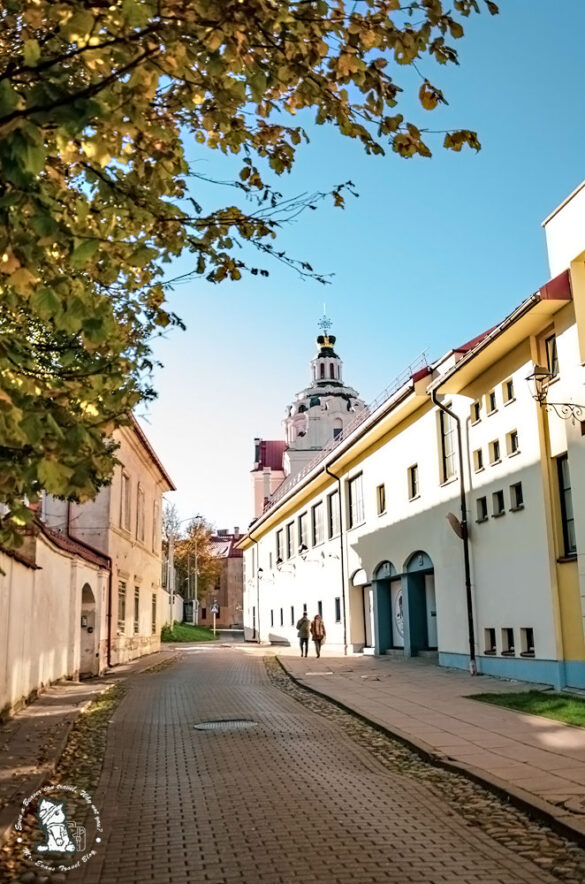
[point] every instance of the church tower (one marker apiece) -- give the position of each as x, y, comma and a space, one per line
320, 412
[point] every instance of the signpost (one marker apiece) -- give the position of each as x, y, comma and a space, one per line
214, 610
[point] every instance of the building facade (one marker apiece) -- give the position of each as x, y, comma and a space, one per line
450, 519
227, 593
123, 523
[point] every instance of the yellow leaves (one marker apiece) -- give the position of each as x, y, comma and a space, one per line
456, 140
22, 281
9, 263
32, 52
96, 150
430, 96
214, 39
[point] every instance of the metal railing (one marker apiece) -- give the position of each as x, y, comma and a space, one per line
400, 381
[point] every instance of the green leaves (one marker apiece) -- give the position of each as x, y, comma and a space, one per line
97, 196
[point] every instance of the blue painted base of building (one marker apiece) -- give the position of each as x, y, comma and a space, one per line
558, 673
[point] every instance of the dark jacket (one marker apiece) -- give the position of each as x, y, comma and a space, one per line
304, 627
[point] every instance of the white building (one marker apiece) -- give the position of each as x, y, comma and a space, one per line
451, 518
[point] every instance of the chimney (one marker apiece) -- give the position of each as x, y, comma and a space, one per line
257, 441
266, 478
237, 531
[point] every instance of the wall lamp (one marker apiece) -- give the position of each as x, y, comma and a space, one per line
303, 550
539, 382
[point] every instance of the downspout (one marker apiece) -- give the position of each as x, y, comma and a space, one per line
465, 536
257, 586
93, 549
333, 476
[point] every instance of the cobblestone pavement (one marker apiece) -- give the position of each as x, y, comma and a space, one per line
292, 798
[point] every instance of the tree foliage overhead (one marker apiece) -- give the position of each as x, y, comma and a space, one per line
100, 102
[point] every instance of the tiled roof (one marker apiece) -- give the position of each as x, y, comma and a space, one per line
223, 546
270, 454
68, 544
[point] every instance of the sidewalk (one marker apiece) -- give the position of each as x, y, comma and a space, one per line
537, 761
32, 742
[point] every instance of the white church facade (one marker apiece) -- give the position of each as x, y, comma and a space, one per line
450, 518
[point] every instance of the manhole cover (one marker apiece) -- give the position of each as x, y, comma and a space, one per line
226, 724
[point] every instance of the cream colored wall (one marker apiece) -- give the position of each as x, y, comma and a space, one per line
40, 627
136, 562
565, 232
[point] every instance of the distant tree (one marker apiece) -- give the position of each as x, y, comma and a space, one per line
99, 101
194, 554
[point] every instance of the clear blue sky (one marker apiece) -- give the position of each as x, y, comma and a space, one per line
432, 253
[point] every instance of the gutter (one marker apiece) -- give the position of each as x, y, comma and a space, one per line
464, 536
257, 584
110, 568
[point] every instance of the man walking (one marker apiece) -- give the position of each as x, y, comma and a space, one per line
318, 633
304, 631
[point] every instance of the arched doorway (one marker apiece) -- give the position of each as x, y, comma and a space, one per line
387, 603
420, 604
88, 658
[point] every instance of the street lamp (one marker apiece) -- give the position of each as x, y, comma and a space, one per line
538, 383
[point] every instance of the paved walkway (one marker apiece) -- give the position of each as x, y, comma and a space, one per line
32, 741
290, 798
540, 761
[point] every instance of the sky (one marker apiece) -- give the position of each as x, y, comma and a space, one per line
429, 255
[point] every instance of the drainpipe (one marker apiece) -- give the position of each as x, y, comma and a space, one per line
93, 549
257, 586
465, 536
333, 476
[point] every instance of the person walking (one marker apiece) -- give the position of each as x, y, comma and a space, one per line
304, 630
318, 633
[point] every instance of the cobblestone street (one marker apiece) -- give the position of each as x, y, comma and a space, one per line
295, 797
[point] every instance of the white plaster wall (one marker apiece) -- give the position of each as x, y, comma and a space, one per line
565, 233
40, 620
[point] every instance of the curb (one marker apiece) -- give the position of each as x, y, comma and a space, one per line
561, 822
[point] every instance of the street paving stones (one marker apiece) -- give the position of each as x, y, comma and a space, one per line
292, 799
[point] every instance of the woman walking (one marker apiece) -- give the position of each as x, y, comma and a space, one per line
318, 633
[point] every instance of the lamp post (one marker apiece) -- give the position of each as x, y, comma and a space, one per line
539, 382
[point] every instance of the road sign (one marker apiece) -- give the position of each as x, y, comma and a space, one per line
214, 609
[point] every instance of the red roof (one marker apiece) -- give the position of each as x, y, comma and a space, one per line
474, 341
270, 454
223, 546
68, 544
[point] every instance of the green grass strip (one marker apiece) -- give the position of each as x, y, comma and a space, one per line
186, 632
570, 710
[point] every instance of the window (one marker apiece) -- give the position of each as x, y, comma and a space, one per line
292, 615
512, 446
489, 641
482, 512
140, 513
527, 641
495, 451
155, 526
136, 610
516, 496
552, 359
333, 514
491, 402
331, 371
413, 481
447, 431
122, 607
317, 524
125, 502
272, 618
270, 561
508, 391
508, 642
279, 545
356, 501
567, 517
322, 370
338, 610
320, 608
381, 499
498, 508
153, 613
304, 530
337, 430
478, 460
475, 412
290, 531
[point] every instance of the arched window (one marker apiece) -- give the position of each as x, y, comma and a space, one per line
322, 373
331, 371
